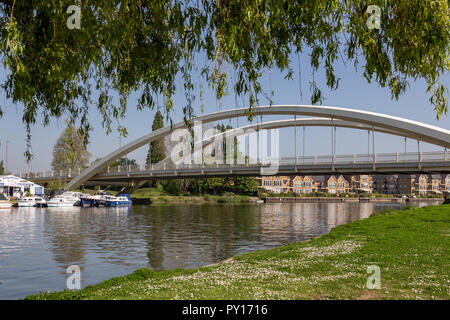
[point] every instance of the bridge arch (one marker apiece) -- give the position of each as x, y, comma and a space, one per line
286, 123
391, 124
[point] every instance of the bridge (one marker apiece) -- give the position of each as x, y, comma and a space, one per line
188, 166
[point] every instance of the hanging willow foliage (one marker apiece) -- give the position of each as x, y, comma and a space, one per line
142, 46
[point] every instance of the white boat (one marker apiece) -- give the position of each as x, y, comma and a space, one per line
64, 200
4, 202
61, 202
33, 201
67, 199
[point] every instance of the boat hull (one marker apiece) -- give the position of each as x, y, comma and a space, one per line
49, 204
27, 204
5, 205
118, 203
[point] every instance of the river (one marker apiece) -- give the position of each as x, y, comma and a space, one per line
38, 244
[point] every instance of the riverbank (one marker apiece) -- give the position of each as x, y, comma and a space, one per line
343, 199
155, 196
410, 247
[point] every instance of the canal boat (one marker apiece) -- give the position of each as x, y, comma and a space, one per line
32, 201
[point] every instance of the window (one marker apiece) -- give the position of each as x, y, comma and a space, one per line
307, 191
277, 190
341, 185
297, 183
307, 184
267, 183
332, 184
277, 183
285, 181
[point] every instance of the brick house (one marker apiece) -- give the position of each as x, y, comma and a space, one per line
446, 183
387, 184
406, 183
275, 184
297, 184
335, 185
436, 183
422, 184
360, 183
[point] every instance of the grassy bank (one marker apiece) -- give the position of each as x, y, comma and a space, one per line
160, 197
411, 248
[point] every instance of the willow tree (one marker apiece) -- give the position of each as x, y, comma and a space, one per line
59, 56
69, 151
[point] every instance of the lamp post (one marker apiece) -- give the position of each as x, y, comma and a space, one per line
6, 163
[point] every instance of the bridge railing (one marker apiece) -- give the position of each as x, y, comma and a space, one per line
413, 157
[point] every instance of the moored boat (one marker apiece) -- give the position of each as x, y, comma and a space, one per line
67, 199
118, 201
4, 202
32, 201
62, 201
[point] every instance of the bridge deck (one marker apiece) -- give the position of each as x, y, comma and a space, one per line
432, 162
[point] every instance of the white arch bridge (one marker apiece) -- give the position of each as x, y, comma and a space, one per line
189, 166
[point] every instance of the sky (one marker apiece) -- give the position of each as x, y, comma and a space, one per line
353, 92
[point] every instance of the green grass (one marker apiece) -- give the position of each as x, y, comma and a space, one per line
411, 248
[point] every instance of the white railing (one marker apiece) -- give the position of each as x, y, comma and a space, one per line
299, 161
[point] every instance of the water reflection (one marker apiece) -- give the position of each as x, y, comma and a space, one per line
37, 245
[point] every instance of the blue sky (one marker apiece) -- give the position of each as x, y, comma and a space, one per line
353, 92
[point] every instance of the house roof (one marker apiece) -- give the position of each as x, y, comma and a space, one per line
318, 178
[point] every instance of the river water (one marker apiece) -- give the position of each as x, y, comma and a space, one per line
38, 244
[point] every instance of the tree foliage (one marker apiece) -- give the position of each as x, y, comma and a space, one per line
69, 151
157, 148
218, 186
144, 46
123, 162
2, 168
